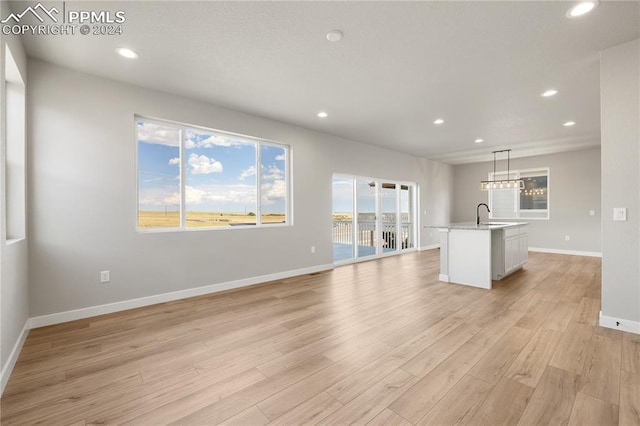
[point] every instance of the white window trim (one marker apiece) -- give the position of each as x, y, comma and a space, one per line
14, 150
517, 199
182, 127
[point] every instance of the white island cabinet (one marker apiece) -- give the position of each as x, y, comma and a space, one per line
475, 255
509, 250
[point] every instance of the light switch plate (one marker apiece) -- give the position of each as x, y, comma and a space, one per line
619, 214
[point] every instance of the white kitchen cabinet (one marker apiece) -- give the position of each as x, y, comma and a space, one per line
524, 246
510, 251
511, 254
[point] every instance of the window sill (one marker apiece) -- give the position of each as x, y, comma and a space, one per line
12, 241
519, 218
213, 228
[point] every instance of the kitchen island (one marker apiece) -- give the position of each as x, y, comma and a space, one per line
475, 255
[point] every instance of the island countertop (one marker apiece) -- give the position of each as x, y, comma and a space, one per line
482, 227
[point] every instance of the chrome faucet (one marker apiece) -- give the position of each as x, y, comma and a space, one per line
478, 212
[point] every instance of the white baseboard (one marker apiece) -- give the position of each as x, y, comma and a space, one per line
429, 247
570, 252
93, 311
619, 324
7, 368
443, 277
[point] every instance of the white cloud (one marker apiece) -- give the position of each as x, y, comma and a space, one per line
272, 173
274, 191
194, 195
280, 157
174, 161
211, 140
218, 195
221, 194
153, 179
156, 134
214, 140
167, 196
171, 199
148, 200
203, 165
251, 171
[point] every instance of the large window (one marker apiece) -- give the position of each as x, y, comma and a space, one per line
201, 178
532, 202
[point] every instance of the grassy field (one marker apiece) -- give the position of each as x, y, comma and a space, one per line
342, 217
149, 219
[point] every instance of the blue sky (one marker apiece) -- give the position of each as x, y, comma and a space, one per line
220, 173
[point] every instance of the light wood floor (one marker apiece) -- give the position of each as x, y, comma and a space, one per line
378, 343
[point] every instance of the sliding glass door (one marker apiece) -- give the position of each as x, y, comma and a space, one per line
388, 216
343, 247
407, 216
367, 235
372, 217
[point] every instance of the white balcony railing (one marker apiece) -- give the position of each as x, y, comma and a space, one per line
366, 234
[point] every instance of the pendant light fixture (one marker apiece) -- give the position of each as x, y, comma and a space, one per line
490, 185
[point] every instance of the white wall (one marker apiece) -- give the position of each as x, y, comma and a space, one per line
620, 97
82, 194
436, 197
14, 291
574, 190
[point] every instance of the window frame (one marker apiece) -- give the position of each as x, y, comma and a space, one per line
518, 210
259, 142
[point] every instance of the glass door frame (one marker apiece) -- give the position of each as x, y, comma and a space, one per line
399, 242
356, 220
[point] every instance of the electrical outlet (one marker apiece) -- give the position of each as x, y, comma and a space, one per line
567, 237
592, 212
619, 214
313, 249
105, 276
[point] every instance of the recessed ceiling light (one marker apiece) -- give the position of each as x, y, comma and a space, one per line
549, 92
582, 8
569, 123
127, 53
323, 114
479, 140
335, 35
438, 121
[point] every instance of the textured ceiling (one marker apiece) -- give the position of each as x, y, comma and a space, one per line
480, 66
